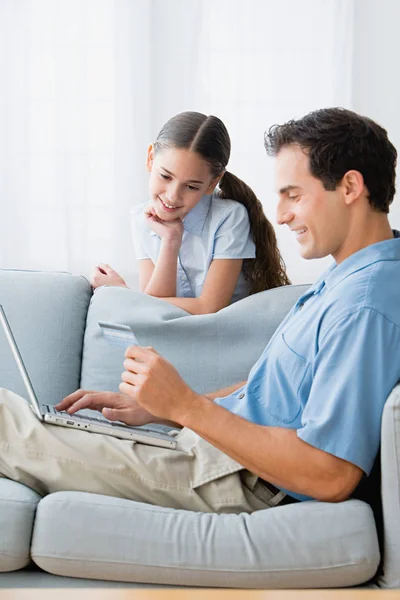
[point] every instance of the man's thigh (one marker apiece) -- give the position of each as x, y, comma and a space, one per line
49, 458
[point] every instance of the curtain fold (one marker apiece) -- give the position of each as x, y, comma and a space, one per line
87, 84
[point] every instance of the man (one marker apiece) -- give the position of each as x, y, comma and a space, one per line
306, 424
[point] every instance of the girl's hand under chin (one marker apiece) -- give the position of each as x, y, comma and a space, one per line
166, 230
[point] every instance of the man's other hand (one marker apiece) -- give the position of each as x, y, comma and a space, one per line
113, 406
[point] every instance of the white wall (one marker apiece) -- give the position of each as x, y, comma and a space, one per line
276, 60
376, 79
69, 180
375, 92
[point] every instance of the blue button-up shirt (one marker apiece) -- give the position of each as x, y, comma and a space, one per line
215, 228
330, 366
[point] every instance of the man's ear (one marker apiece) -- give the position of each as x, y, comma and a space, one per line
353, 186
150, 158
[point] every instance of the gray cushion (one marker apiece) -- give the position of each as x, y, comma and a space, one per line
17, 510
209, 351
390, 459
309, 544
47, 313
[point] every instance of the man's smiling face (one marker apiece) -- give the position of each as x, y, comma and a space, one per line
317, 217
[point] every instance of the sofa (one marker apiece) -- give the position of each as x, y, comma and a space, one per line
78, 538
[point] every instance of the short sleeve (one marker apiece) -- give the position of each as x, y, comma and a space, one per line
355, 369
233, 238
139, 231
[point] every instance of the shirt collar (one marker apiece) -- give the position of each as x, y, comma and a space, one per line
387, 250
194, 221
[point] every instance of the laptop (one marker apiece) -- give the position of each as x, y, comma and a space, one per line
95, 424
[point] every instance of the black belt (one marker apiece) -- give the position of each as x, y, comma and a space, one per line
287, 499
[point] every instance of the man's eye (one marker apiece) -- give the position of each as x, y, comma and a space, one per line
294, 198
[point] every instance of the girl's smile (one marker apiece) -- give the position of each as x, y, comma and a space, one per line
168, 207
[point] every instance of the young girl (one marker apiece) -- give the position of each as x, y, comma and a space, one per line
203, 241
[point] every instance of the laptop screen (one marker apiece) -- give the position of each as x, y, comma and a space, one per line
32, 400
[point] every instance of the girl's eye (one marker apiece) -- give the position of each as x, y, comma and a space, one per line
192, 187
164, 176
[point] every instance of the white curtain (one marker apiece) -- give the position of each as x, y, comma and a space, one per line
87, 84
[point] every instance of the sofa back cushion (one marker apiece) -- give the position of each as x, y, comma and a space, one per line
209, 351
47, 314
390, 461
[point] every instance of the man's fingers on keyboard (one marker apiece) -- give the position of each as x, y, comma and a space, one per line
95, 401
112, 414
89, 400
71, 398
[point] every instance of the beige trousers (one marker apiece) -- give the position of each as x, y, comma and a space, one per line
197, 476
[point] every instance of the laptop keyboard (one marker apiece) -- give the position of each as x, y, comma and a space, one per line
103, 421
52, 410
83, 418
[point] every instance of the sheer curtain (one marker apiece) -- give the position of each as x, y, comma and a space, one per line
87, 84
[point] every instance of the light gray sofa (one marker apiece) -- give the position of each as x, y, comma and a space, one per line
311, 544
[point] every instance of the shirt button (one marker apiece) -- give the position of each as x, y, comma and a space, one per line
241, 396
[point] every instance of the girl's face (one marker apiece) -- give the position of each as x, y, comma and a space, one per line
178, 180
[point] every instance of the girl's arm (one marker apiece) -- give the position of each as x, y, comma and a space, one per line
146, 269
218, 288
160, 279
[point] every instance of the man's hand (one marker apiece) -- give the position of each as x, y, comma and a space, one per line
157, 386
114, 406
105, 275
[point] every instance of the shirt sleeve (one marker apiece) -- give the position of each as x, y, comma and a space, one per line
355, 369
233, 238
140, 231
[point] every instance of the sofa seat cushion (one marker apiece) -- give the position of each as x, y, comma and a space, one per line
302, 545
17, 511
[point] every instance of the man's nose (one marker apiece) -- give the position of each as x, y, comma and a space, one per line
283, 214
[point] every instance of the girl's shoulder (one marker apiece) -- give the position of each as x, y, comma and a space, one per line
137, 210
138, 220
224, 208
137, 215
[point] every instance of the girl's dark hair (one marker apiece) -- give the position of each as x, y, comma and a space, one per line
209, 138
338, 140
